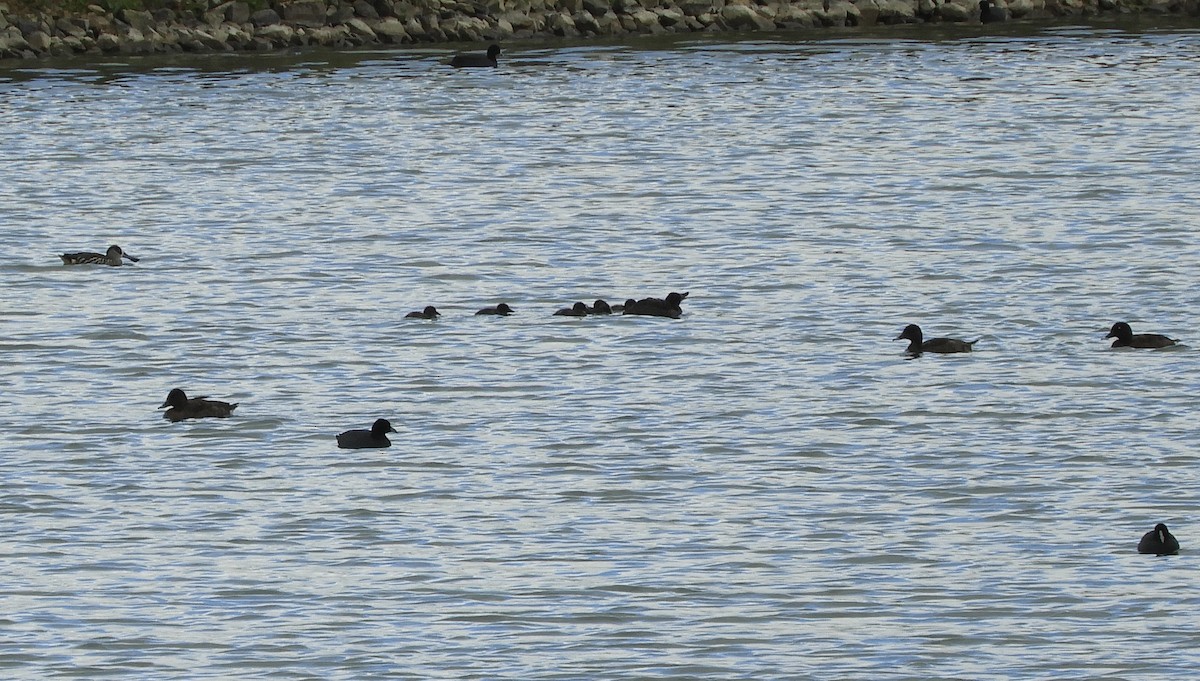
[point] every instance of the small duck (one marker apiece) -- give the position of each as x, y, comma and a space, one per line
182, 407
430, 312
990, 13
657, 307
1126, 338
579, 309
375, 438
912, 332
1160, 542
110, 257
502, 309
470, 60
601, 306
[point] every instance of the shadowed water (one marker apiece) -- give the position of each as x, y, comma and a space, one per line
766, 488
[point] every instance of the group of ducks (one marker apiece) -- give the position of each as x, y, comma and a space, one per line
651, 307
1121, 331
180, 407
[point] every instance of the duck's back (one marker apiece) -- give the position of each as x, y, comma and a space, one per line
362, 439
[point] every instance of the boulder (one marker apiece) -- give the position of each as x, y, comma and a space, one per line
645, 21
136, 18
108, 43
597, 8
308, 13
957, 11
741, 18
38, 41
391, 30
896, 12
264, 17
278, 35
366, 10
360, 28
694, 8
586, 23
1024, 8
669, 17
69, 27
561, 24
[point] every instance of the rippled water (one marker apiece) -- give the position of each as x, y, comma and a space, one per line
766, 488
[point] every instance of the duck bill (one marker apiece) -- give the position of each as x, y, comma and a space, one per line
129, 257
164, 404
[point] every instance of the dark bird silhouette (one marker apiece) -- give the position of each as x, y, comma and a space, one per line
375, 438
912, 333
1126, 338
579, 309
430, 312
990, 13
182, 407
502, 309
469, 60
657, 307
1159, 541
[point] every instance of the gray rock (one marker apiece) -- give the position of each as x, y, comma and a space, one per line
586, 23
38, 41
332, 36
108, 43
237, 12
896, 12
136, 18
279, 35
741, 17
597, 8
264, 17
610, 24
392, 30
360, 28
792, 16
308, 13
366, 10
645, 21
69, 27
561, 24
694, 8
1024, 8
957, 11
669, 17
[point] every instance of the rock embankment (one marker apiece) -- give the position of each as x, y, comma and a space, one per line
214, 26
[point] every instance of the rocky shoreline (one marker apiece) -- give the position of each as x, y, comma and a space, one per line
232, 25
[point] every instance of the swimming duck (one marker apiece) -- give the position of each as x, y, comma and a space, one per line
182, 407
600, 307
110, 257
579, 309
430, 312
1126, 338
502, 309
657, 307
375, 438
990, 13
1160, 542
912, 332
468, 60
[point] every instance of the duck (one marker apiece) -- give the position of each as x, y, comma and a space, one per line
375, 438
991, 13
601, 306
657, 307
469, 60
183, 407
1159, 541
430, 312
912, 332
1126, 338
502, 309
579, 309
112, 257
